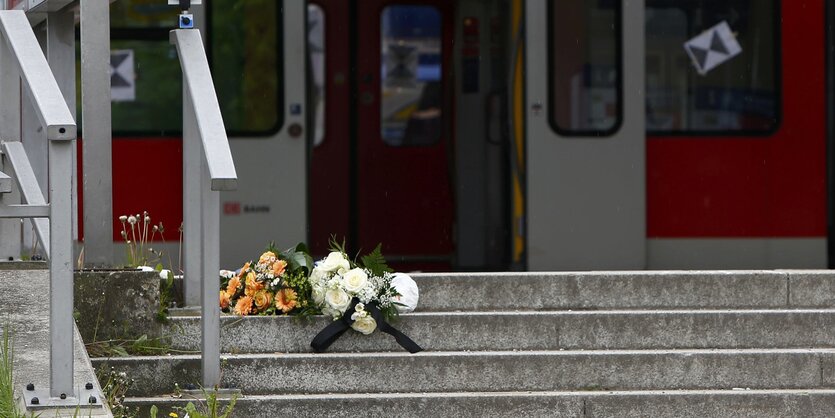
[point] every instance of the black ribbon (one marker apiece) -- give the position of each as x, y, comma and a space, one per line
335, 329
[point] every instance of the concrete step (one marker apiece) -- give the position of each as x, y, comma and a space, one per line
640, 404
500, 371
492, 331
626, 290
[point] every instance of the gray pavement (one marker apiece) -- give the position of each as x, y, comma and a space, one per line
25, 296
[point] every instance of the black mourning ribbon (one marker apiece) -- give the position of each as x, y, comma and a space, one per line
335, 329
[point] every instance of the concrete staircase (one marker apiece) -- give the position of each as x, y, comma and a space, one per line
597, 344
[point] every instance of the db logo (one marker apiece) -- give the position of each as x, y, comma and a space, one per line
231, 208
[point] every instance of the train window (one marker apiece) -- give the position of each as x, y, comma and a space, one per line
146, 83
585, 46
245, 45
316, 49
739, 96
142, 14
154, 104
410, 75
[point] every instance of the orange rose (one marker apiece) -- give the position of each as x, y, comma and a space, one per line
233, 286
263, 299
244, 269
224, 300
285, 300
252, 285
266, 258
244, 306
278, 267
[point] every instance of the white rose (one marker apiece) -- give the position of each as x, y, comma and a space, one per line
337, 299
334, 262
408, 290
365, 324
354, 280
317, 275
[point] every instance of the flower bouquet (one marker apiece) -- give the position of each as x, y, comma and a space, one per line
360, 296
363, 295
276, 284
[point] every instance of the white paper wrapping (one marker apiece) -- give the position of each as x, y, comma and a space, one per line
408, 290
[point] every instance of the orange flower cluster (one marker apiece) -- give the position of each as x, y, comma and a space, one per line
257, 289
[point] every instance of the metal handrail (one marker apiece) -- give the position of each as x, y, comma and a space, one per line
23, 59
208, 168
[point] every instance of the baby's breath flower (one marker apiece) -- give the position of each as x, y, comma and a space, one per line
123, 218
132, 220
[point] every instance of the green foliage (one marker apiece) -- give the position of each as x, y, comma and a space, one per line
142, 346
211, 408
8, 407
375, 262
114, 387
297, 257
337, 246
165, 296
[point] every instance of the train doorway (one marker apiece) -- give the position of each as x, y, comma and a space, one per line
390, 163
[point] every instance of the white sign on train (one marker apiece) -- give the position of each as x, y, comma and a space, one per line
122, 76
712, 48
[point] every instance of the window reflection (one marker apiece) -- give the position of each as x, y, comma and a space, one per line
739, 95
316, 49
585, 47
410, 73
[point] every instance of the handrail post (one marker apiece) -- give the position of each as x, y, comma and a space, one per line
60, 268
97, 144
207, 169
58, 123
9, 131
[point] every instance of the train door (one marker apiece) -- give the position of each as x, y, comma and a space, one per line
390, 182
585, 138
254, 49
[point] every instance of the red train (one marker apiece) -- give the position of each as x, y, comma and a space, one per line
501, 134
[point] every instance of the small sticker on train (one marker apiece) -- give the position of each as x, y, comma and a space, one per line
712, 48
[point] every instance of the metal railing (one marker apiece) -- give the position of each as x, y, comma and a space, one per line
21, 60
207, 169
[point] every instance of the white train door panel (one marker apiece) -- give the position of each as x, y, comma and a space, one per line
586, 205
271, 201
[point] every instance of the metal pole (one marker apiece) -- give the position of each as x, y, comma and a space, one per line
60, 269
56, 120
192, 214
96, 146
207, 168
209, 300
